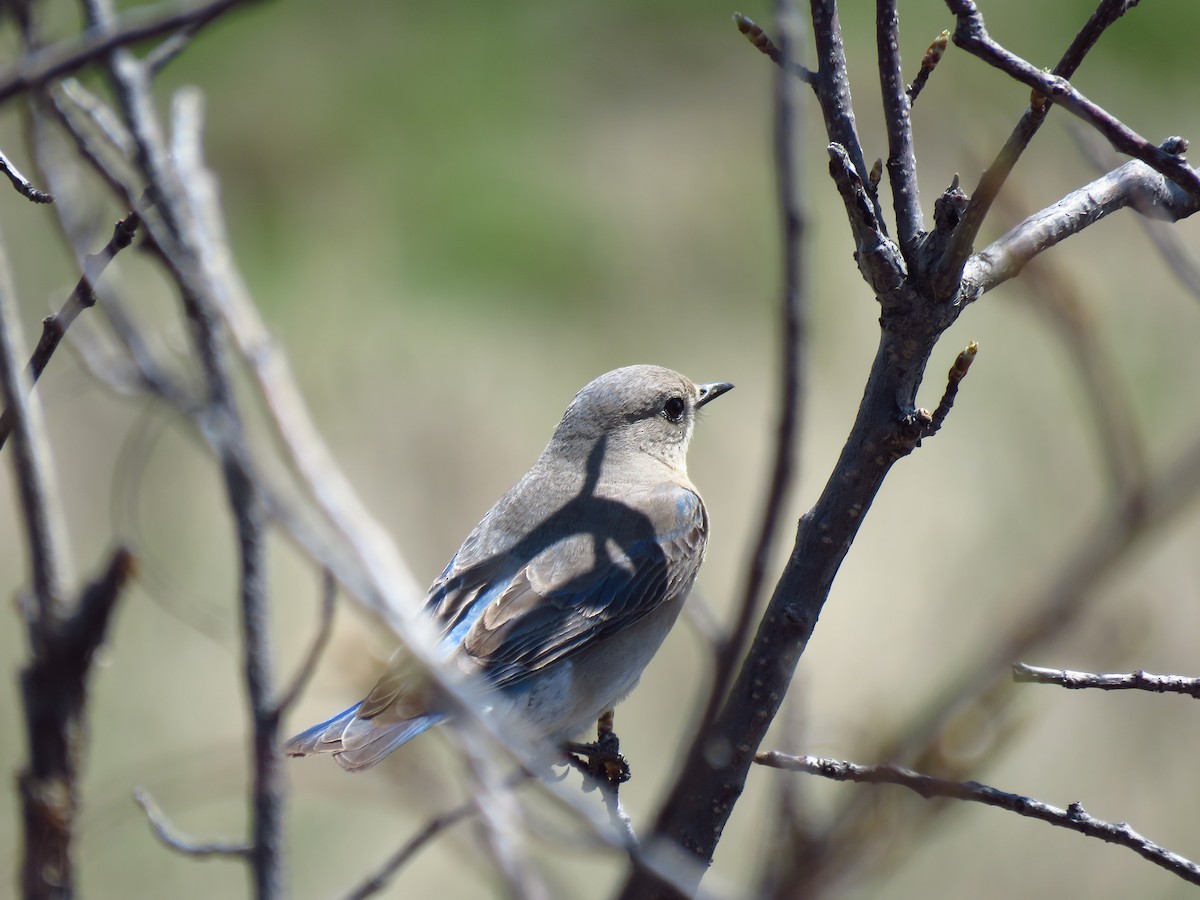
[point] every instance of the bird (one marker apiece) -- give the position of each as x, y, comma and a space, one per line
560, 596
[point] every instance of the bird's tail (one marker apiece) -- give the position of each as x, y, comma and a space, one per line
355, 743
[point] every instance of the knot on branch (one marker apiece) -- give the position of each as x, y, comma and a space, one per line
948, 209
1175, 145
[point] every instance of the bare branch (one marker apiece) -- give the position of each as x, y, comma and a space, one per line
172, 839
993, 179
1134, 185
36, 69
971, 35
833, 91
1073, 817
411, 847
788, 129
55, 326
1134, 681
23, 185
902, 162
40, 507
879, 260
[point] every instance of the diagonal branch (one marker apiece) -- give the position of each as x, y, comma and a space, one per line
1073, 818
54, 327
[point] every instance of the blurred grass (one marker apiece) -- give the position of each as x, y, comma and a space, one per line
453, 216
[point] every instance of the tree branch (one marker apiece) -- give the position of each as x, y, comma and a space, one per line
23, 185
37, 69
1073, 817
1134, 185
901, 163
1134, 681
175, 841
54, 327
993, 179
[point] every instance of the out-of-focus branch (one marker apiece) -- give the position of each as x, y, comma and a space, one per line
760, 39
1134, 681
55, 326
1073, 817
993, 179
37, 69
182, 245
901, 162
167, 834
787, 132
435, 826
54, 695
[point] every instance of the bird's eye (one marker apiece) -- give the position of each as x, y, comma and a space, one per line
674, 409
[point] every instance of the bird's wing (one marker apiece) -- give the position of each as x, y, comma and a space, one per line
588, 587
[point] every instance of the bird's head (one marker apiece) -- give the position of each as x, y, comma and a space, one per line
637, 409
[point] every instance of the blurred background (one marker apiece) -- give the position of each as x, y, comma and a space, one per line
453, 216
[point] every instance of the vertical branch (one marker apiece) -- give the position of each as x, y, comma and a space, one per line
833, 90
180, 241
786, 128
902, 163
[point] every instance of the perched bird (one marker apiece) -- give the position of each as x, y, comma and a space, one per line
566, 588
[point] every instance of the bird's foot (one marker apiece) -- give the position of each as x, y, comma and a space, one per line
602, 760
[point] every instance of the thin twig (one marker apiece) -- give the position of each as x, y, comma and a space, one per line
55, 326
759, 38
1073, 818
167, 834
1133, 681
23, 185
435, 826
929, 62
958, 371
36, 69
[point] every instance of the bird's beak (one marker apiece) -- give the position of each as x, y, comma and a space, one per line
711, 391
